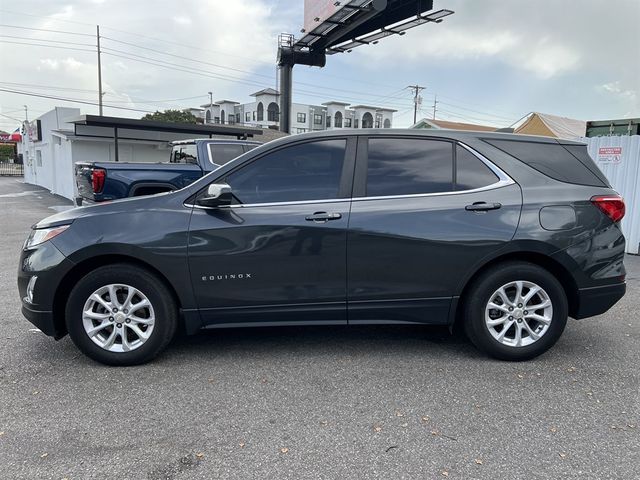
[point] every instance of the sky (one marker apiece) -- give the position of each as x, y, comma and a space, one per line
492, 62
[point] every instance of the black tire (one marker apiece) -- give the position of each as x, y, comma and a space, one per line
480, 292
165, 309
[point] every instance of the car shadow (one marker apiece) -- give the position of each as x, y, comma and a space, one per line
317, 340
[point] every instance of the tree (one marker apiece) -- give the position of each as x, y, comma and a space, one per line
174, 116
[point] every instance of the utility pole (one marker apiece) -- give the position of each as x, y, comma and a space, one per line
435, 103
210, 107
26, 114
99, 70
417, 99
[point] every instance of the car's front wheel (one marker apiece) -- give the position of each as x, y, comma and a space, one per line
515, 311
121, 314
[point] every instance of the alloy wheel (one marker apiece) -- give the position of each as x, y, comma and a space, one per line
518, 313
118, 318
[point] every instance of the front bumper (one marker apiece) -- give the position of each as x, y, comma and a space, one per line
42, 320
47, 263
597, 300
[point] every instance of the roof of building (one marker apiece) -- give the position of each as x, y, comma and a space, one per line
150, 125
265, 91
195, 108
445, 124
227, 101
548, 125
332, 102
368, 107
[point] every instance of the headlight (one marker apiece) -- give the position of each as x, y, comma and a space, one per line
41, 235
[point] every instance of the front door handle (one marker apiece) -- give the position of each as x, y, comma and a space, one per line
322, 217
482, 206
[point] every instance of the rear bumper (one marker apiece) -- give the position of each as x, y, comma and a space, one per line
597, 300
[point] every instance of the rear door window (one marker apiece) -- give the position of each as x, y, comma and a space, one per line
471, 172
406, 166
551, 159
184, 153
221, 153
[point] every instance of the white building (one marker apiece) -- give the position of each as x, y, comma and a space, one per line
264, 112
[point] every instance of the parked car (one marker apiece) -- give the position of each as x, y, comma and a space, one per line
502, 234
189, 160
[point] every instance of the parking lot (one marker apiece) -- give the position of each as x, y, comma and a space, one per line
331, 402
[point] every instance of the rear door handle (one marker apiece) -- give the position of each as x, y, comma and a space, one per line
482, 206
323, 217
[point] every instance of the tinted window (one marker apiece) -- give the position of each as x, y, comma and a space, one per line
221, 153
551, 159
582, 154
400, 166
309, 171
471, 172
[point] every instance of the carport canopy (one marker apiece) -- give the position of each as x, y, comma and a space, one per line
135, 129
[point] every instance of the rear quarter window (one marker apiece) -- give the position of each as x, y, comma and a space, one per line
551, 159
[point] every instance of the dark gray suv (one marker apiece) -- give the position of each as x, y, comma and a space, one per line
504, 235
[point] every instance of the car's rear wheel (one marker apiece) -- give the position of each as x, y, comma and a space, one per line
121, 314
515, 311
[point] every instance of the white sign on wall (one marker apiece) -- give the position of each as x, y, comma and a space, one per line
612, 155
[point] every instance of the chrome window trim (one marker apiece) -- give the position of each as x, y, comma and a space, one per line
503, 181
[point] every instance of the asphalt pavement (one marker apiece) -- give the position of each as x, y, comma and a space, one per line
314, 402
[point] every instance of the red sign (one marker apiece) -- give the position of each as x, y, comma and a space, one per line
610, 155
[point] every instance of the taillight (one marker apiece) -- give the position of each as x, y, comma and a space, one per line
97, 180
611, 205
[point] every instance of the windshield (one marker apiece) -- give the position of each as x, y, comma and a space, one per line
184, 153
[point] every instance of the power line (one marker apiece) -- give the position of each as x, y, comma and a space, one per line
44, 30
48, 87
46, 40
49, 46
72, 100
206, 73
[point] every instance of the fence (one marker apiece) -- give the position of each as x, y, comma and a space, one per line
619, 159
11, 169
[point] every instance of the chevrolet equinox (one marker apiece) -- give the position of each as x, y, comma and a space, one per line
504, 235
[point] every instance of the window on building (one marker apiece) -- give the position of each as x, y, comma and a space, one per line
254, 116
301, 118
387, 123
355, 123
38, 158
247, 116
301, 130
273, 112
216, 119
377, 123
222, 117
401, 166
207, 116
260, 112
317, 119
471, 172
347, 122
328, 122
367, 120
237, 118
310, 171
338, 120
232, 119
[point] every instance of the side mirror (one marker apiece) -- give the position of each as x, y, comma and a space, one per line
217, 194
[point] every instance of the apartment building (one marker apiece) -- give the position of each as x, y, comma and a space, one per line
264, 111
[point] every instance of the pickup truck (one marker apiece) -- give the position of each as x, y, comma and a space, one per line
189, 160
